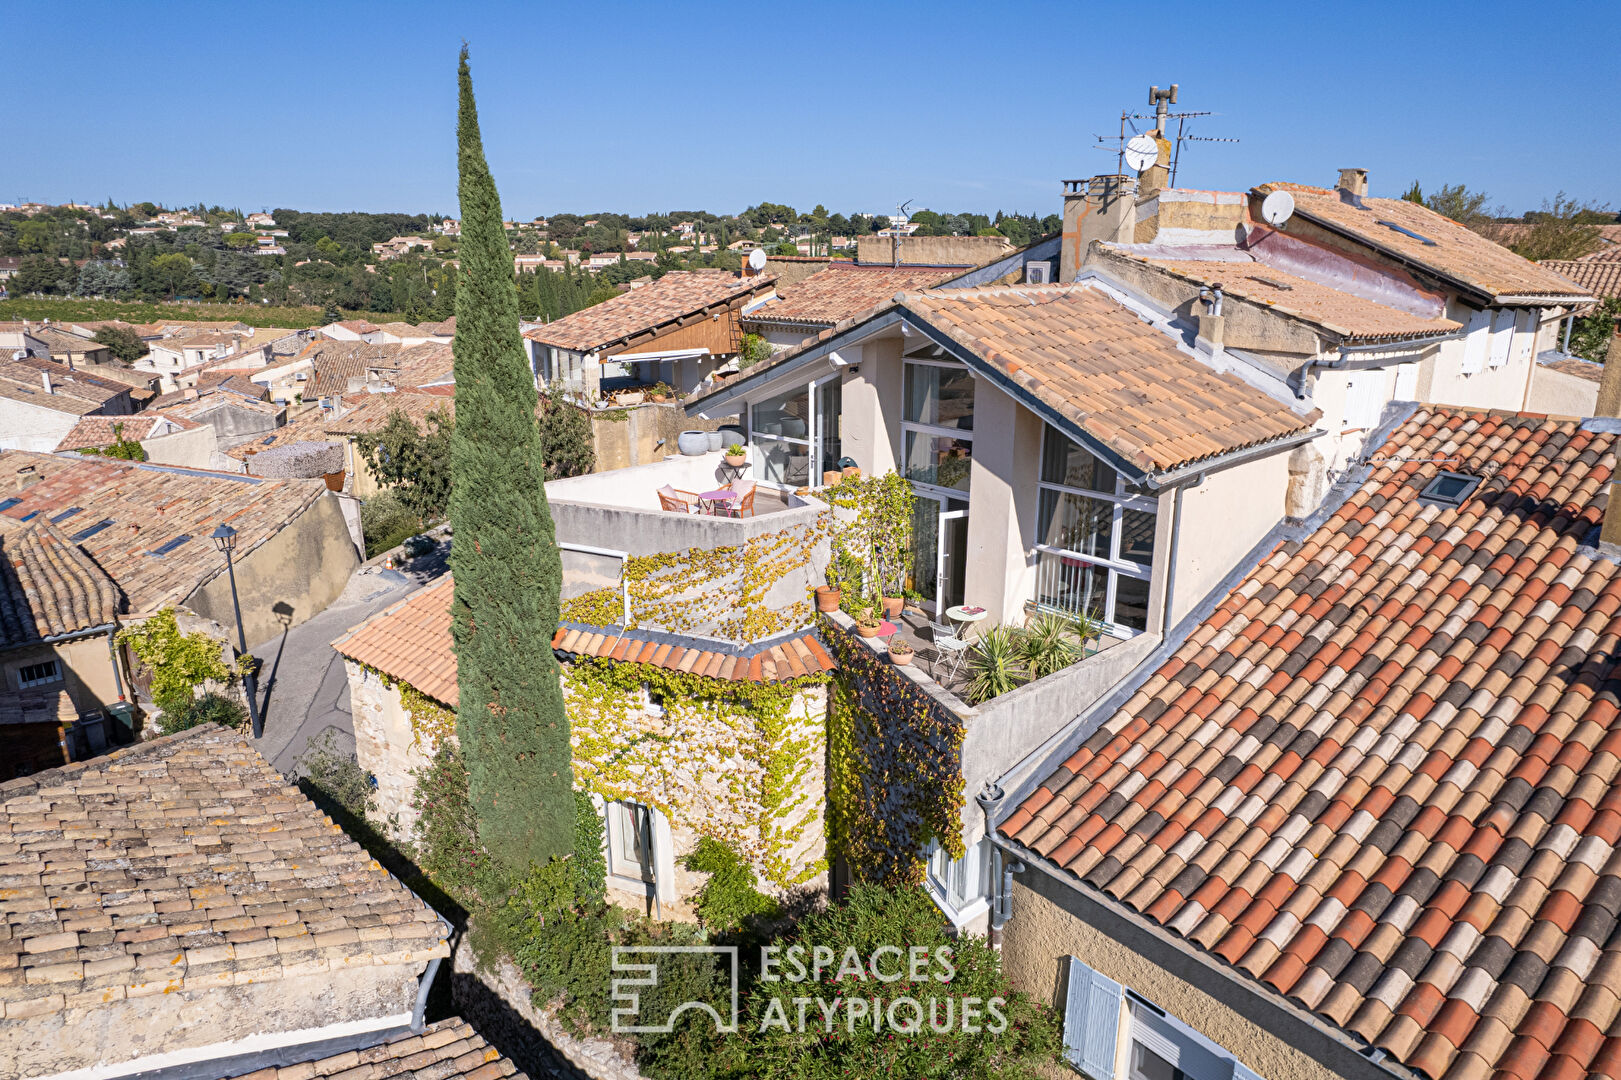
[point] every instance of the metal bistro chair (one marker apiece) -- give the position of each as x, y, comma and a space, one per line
947, 642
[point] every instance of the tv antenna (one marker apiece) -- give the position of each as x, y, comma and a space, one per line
1161, 100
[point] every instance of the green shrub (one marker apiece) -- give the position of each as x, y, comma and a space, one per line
728, 900
330, 777
387, 522
994, 665
446, 834
208, 709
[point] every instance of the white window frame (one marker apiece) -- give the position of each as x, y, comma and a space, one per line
932, 430
959, 887
1106, 1022
46, 672
655, 877
1116, 566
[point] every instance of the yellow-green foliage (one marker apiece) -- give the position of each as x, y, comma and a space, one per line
179, 662
720, 591
728, 759
894, 759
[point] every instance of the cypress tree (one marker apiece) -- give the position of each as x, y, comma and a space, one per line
511, 722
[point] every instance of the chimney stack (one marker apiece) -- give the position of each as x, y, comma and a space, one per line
1353, 185
1102, 208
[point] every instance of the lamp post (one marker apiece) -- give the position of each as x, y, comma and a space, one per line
224, 538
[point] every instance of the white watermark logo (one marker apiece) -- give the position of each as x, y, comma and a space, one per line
920, 967
628, 992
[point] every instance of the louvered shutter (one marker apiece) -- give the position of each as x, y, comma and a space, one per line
1091, 1020
1477, 343
1502, 337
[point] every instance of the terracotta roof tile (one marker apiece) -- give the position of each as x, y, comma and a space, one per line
1431, 868
99, 431
1455, 253
676, 294
49, 586
168, 847
1091, 359
411, 641
446, 1050
844, 290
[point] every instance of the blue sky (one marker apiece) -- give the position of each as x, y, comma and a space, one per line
639, 107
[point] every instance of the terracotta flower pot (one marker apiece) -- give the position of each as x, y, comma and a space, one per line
831, 477
901, 659
893, 605
853, 470
868, 631
827, 598
659, 399
737, 461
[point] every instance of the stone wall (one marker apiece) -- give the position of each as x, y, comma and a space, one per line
385, 746
498, 1003
629, 436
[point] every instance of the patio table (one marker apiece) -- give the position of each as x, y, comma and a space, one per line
718, 498
966, 615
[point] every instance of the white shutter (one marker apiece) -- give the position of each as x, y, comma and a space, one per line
1476, 343
1525, 336
1364, 400
1502, 337
1407, 381
1091, 1020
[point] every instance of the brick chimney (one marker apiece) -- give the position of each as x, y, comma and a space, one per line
1609, 386
1102, 208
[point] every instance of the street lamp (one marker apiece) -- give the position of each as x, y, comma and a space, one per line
224, 538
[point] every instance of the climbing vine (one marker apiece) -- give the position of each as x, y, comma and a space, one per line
431, 722
737, 761
894, 768
719, 592
179, 663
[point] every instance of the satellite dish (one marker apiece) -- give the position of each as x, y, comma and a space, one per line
1141, 152
1277, 208
757, 259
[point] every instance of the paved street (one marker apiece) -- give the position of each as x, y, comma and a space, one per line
302, 686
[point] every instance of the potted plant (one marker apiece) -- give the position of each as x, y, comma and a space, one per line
900, 651
829, 596
893, 605
659, 393
737, 456
868, 624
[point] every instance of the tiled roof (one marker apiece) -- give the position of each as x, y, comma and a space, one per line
419, 364
336, 362
1573, 365
150, 507
61, 341
182, 864
676, 294
1381, 778
236, 381
1459, 254
844, 290
309, 428
38, 705
1597, 277
370, 413
447, 1050
49, 586
411, 642
99, 431
1341, 313
195, 402
1092, 360
79, 375
68, 393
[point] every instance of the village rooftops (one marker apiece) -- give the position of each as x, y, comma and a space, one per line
1380, 778
1432, 243
148, 525
188, 869
49, 588
55, 387
410, 641
96, 432
844, 290
676, 298
1599, 277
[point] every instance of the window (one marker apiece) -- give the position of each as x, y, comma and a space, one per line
630, 841
1037, 273
1113, 1033
7, 504
779, 429
959, 886
172, 544
46, 671
1094, 539
1449, 489
57, 519
939, 396
937, 442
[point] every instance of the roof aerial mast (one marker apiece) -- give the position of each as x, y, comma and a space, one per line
1161, 100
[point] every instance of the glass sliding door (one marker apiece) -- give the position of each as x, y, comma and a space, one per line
829, 424
939, 549
796, 432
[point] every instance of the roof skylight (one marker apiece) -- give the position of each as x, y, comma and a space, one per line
1408, 232
1449, 489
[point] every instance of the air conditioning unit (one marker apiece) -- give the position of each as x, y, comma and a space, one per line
1038, 273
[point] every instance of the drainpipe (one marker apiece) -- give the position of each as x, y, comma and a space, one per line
112, 651
425, 984
989, 799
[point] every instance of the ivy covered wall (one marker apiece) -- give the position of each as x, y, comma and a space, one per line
894, 767
743, 762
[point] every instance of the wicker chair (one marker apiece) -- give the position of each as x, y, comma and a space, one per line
677, 501
743, 505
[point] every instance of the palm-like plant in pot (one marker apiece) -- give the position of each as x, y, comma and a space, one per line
1052, 642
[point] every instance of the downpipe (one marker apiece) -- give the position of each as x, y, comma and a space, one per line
425, 984
989, 799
